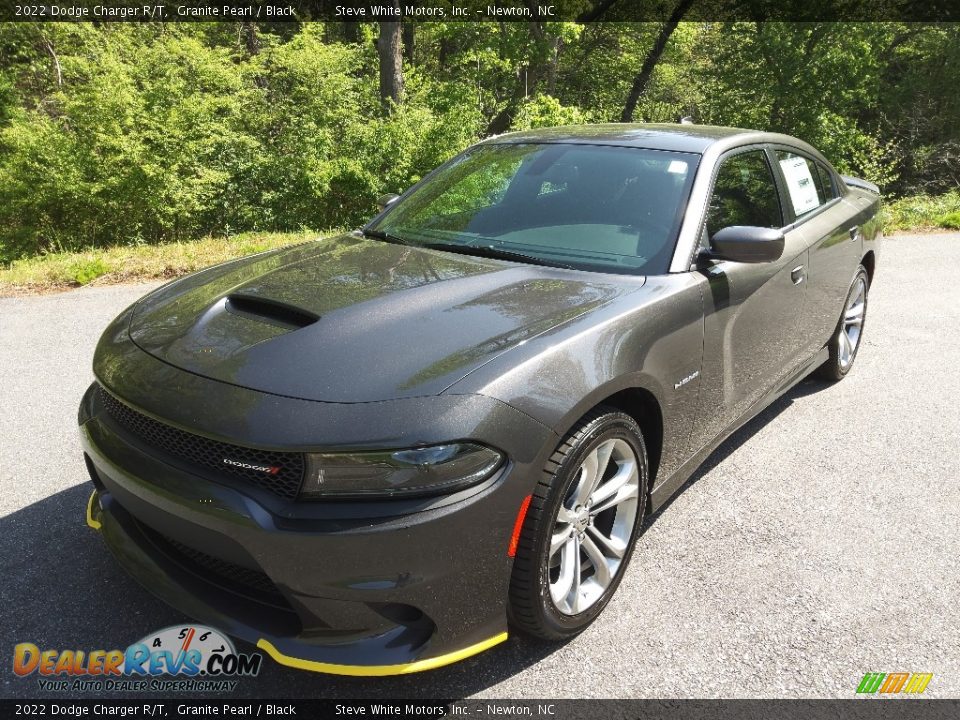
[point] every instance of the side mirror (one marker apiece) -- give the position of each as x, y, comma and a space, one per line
385, 201
746, 244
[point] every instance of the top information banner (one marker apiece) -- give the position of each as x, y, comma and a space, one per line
583, 11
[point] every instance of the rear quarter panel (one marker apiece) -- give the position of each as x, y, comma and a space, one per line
868, 206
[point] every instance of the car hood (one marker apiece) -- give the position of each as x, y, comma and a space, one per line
354, 320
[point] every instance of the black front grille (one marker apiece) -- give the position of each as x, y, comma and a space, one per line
224, 459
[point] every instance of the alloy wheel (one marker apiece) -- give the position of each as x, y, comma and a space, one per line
593, 527
852, 324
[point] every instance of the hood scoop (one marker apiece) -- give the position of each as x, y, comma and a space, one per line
272, 312
352, 320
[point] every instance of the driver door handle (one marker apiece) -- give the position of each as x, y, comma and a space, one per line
798, 275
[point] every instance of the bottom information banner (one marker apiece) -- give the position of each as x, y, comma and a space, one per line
907, 709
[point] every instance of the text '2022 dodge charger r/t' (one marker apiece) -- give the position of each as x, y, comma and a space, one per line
375, 453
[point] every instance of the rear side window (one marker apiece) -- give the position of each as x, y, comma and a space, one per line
804, 182
826, 181
744, 193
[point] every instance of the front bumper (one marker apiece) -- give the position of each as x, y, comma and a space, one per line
345, 591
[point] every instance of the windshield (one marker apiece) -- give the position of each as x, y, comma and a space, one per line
591, 207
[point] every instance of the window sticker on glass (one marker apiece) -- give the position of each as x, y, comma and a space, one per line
677, 166
800, 183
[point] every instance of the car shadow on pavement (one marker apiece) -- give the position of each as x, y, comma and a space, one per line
806, 387
62, 589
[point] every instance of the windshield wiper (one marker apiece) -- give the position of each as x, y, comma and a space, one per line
386, 237
497, 253
478, 250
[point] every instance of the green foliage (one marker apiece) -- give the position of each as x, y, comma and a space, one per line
130, 148
126, 263
128, 134
470, 184
547, 111
163, 136
811, 80
923, 212
83, 271
950, 220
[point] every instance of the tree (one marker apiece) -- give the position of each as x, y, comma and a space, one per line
536, 49
642, 79
252, 39
127, 133
390, 51
409, 39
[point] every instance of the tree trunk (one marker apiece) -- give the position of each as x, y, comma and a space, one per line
253, 40
596, 11
447, 48
390, 50
409, 38
554, 64
528, 81
58, 71
351, 32
642, 79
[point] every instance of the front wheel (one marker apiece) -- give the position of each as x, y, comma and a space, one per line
583, 521
845, 343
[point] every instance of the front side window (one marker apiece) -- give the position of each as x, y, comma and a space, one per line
804, 182
744, 193
593, 207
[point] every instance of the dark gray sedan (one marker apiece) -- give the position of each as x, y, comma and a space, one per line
375, 453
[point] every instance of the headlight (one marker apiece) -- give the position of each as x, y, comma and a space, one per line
419, 471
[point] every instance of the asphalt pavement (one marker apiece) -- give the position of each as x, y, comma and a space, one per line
820, 542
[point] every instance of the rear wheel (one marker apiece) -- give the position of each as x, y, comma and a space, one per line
581, 527
845, 342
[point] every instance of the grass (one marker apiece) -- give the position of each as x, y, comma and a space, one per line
923, 212
950, 220
61, 271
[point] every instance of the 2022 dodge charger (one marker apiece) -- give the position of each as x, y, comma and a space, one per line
374, 453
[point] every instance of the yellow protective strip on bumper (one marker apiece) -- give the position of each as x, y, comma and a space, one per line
95, 524
379, 670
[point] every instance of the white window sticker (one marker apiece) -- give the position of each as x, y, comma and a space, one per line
677, 166
800, 183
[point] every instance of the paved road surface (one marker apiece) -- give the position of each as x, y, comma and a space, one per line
822, 541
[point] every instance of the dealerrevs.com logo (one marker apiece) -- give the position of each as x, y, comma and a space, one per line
191, 658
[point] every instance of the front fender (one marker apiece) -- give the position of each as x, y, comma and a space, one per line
651, 339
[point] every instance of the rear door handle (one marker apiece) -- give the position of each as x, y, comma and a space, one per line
797, 275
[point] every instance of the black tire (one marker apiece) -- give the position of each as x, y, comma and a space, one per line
834, 369
531, 607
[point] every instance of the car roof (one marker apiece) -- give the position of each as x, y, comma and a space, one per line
654, 136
